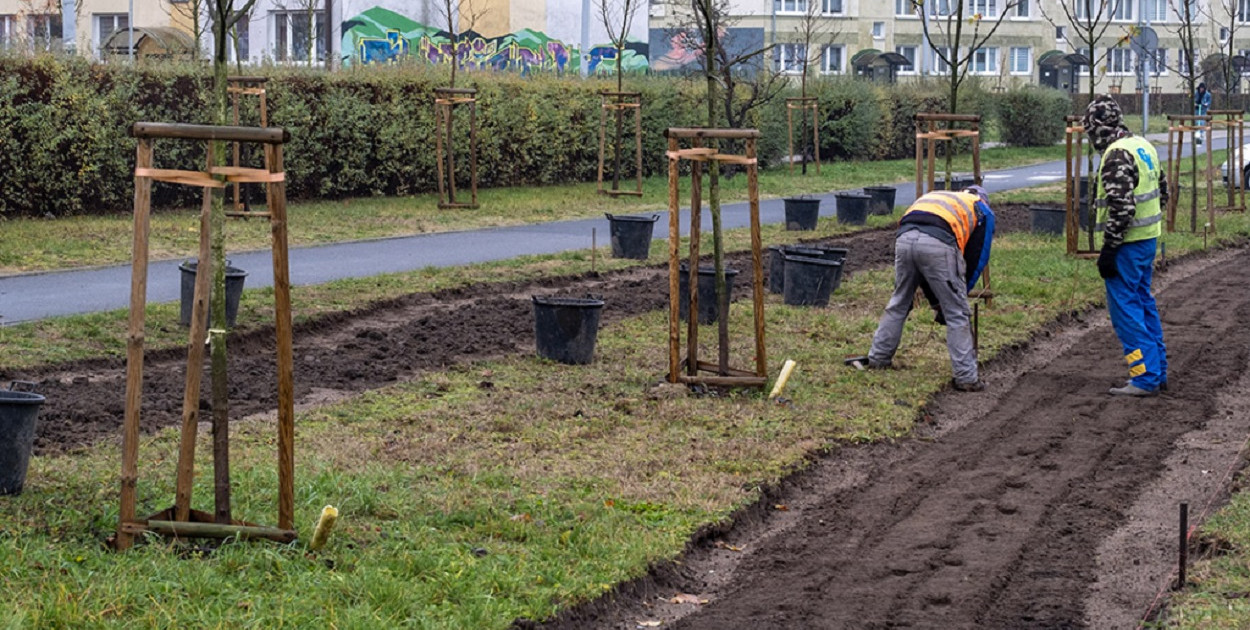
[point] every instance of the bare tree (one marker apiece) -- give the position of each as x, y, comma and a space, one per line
946, 38
1089, 20
617, 16
815, 32
195, 12
1229, 16
43, 25
459, 16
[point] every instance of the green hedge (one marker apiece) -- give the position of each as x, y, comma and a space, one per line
369, 131
1032, 116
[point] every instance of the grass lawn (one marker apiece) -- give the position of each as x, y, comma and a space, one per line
42, 244
465, 505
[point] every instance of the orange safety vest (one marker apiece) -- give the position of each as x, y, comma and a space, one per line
956, 208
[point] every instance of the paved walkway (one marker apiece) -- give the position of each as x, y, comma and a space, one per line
35, 296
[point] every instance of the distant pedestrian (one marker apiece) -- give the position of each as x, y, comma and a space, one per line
1202, 105
1132, 191
943, 245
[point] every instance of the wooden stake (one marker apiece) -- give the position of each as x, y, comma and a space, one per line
195, 365
692, 271
283, 332
134, 343
674, 261
757, 258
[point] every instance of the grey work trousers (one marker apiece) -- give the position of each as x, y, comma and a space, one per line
918, 255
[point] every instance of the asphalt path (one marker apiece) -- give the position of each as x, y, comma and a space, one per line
34, 296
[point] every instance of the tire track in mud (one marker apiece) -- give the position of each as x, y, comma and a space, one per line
999, 522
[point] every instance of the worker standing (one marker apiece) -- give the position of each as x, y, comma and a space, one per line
943, 244
1131, 193
1202, 105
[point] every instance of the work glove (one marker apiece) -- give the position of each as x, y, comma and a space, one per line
1106, 262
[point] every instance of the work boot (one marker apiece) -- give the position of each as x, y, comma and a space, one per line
874, 364
975, 386
1130, 389
1163, 386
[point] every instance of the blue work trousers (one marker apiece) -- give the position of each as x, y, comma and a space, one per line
1135, 317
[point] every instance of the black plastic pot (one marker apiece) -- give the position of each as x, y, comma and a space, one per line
881, 199
234, 292
566, 328
960, 182
18, 412
708, 310
1048, 219
810, 281
802, 213
631, 235
777, 263
853, 208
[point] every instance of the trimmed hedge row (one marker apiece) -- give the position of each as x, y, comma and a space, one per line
369, 131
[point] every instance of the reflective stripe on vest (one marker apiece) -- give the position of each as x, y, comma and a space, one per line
956, 208
1148, 212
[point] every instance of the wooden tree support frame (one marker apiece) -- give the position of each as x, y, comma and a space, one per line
1074, 141
803, 104
1233, 121
934, 128
180, 520
618, 103
687, 371
238, 87
446, 101
1178, 126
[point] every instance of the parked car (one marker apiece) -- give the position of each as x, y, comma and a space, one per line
1245, 166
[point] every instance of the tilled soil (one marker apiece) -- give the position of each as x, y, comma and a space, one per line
998, 517
1040, 503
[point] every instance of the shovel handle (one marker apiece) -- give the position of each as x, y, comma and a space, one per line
29, 385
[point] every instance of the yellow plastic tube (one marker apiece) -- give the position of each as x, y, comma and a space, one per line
329, 514
786, 369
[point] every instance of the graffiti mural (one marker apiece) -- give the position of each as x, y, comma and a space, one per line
679, 51
379, 35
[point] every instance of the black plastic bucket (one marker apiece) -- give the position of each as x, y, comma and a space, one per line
1048, 219
810, 281
234, 292
777, 263
881, 199
565, 328
18, 411
852, 208
959, 182
708, 311
802, 213
631, 235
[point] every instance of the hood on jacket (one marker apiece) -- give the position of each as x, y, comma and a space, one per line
1103, 122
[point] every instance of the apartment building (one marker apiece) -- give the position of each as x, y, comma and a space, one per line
83, 26
1035, 41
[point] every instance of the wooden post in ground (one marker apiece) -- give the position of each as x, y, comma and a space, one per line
446, 100
618, 103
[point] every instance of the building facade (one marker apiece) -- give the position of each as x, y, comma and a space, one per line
1036, 41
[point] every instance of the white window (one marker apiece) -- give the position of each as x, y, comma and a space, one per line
1244, 52
984, 61
296, 34
1118, 10
7, 36
908, 7
939, 65
942, 8
1157, 10
1243, 11
832, 7
833, 58
984, 8
790, 6
1061, 33
103, 25
788, 58
1119, 61
1021, 60
1223, 33
1182, 61
1159, 65
1022, 9
878, 30
1179, 8
44, 32
908, 52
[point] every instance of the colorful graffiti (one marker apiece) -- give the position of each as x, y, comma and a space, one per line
680, 51
379, 35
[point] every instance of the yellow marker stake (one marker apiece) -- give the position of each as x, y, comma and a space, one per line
786, 369
329, 514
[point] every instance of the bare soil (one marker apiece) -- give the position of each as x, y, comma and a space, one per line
1004, 512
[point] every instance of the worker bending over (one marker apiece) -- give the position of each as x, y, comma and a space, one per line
1131, 192
943, 244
